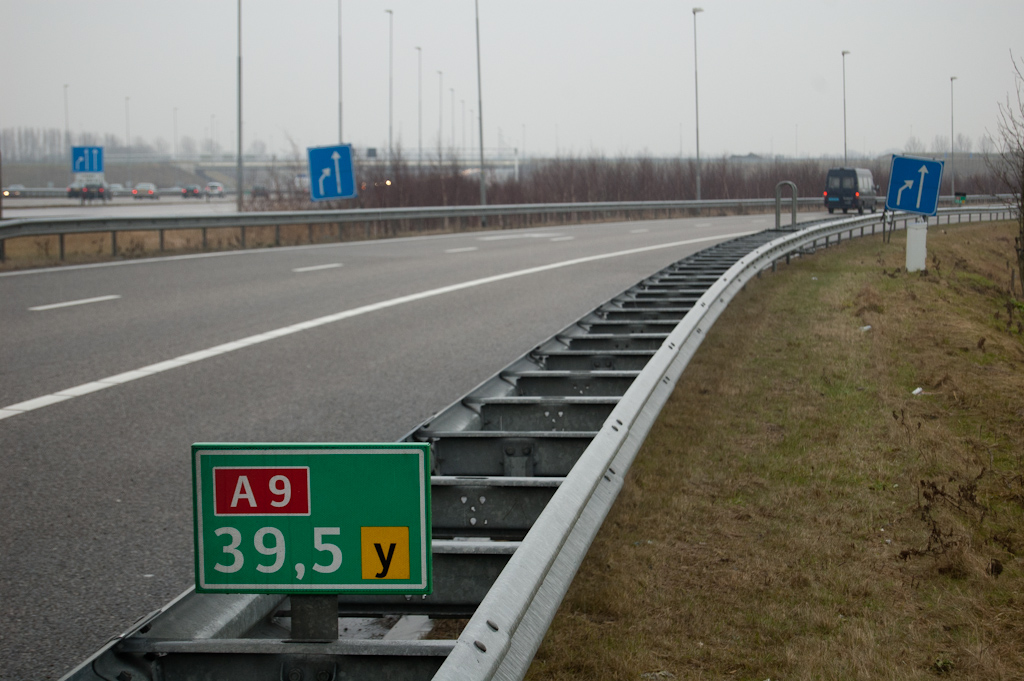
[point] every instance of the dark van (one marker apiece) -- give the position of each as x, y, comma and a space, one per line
848, 188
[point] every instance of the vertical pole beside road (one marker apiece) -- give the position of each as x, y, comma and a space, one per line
238, 166
341, 134
391, 17
480, 106
128, 141
696, 94
440, 111
952, 145
845, 52
419, 115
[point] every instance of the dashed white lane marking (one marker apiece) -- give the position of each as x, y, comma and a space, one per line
563, 238
183, 360
467, 249
317, 268
72, 303
639, 231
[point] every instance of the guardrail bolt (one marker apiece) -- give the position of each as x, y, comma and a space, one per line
323, 675
295, 674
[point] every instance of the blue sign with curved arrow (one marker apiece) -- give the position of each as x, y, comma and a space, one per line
330, 173
87, 159
914, 185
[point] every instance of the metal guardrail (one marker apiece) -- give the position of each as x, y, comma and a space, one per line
633, 349
10, 229
60, 226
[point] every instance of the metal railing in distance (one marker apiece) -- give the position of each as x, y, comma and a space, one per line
549, 212
540, 451
10, 229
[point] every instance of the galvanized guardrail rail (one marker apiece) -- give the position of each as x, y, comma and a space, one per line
525, 468
542, 212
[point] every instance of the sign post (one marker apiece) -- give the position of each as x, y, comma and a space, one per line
312, 518
914, 187
331, 175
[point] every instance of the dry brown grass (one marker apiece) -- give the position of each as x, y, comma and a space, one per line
797, 513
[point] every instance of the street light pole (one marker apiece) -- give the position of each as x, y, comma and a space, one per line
128, 142
391, 17
174, 120
952, 143
696, 94
341, 133
453, 115
463, 125
67, 132
845, 52
440, 111
419, 80
480, 106
238, 160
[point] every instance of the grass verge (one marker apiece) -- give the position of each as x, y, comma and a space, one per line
798, 513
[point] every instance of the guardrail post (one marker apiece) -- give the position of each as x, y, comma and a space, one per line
314, 617
61, 243
277, 235
243, 236
161, 241
2, 254
204, 238
113, 244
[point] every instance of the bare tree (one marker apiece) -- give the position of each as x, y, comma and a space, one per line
964, 144
914, 146
1008, 165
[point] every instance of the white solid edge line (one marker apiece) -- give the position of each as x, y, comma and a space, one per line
191, 358
563, 238
467, 249
72, 303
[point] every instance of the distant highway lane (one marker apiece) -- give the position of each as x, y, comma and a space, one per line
109, 373
20, 209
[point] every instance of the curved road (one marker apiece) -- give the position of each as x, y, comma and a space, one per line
341, 342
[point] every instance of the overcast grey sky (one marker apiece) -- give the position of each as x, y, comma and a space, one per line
605, 76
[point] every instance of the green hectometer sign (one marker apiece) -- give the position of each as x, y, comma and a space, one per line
312, 518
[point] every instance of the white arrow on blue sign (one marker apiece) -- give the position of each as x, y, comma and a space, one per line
330, 173
87, 159
914, 185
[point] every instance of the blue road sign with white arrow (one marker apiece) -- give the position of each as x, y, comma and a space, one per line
330, 173
87, 159
914, 185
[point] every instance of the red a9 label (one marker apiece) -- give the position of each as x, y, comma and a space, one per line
261, 491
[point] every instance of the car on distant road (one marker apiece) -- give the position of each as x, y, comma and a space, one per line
95, 190
116, 189
214, 190
75, 189
260, 192
145, 190
192, 191
14, 190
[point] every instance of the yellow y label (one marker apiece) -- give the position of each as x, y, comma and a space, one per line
385, 552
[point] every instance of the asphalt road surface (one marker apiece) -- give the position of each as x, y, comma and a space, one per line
368, 340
